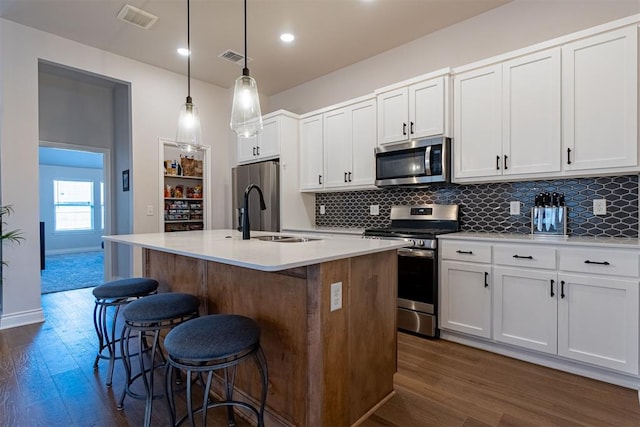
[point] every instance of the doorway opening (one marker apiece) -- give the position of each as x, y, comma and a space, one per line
87, 112
73, 216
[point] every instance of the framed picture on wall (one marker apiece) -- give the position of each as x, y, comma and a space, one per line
125, 180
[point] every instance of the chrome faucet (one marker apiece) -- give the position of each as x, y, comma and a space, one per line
245, 210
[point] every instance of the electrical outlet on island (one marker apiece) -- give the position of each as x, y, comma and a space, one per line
336, 296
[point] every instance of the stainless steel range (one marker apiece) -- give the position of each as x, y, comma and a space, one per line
418, 264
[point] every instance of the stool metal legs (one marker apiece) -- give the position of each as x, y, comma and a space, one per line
146, 373
140, 332
229, 367
106, 335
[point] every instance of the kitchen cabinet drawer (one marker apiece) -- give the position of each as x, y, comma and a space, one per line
601, 261
525, 256
466, 251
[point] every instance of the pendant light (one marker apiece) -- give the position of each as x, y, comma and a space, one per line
246, 118
189, 134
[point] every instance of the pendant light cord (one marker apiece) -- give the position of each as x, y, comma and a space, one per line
245, 70
189, 53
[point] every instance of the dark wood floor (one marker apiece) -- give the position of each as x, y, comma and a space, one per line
47, 379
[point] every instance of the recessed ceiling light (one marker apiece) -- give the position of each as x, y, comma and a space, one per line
183, 51
287, 37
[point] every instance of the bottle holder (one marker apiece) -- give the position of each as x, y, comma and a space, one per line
550, 221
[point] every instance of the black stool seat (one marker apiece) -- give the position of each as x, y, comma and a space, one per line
116, 294
145, 318
160, 307
210, 343
217, 336
126, 288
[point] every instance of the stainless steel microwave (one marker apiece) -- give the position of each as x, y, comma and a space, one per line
414, 163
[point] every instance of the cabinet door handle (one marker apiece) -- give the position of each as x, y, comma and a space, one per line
349, 176
465, 252
345, 177
568, 156
486, 279
523, 257
258, 151
505, 162
597, 262
562, 289
404, 128
320, 179
498, 163
552, 283
411, 130
254, 151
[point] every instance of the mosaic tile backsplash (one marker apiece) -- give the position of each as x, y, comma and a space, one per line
485, 207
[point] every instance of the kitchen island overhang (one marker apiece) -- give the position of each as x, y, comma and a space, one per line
326, 367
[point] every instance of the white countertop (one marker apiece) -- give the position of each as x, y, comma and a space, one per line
227, 247
613, 242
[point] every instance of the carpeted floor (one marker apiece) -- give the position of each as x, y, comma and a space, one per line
72, 271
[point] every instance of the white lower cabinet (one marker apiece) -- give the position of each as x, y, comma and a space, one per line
579, 303
525, 308
465, 298
598, 321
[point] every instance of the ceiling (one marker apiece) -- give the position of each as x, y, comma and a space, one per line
330, 34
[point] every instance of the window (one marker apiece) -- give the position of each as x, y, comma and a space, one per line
73, 202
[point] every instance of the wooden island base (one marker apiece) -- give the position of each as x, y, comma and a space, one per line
326, 368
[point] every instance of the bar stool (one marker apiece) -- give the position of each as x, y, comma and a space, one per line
147, 317
115, 294
207, 344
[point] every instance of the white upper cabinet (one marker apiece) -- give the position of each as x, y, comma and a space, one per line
393, 116
507, 118
311, 153
531, 102
337, 155
427, 108
568, 107
477, 120
363, 139
264, 146
415, 111
337, 147
600, 117
349, 143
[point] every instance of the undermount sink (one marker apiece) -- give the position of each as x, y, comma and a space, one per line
284, 239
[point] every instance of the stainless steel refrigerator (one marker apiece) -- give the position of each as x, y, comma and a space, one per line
265, 175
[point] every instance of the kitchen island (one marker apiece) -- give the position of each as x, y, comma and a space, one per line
326, 307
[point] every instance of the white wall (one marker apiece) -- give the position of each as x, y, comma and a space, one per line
156, 96
515, 25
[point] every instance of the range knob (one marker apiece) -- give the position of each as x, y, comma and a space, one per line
420, 242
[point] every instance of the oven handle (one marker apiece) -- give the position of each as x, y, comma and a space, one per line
416, 253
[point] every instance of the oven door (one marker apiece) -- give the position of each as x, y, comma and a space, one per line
417, 280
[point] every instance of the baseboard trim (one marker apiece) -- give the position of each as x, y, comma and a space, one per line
22, 318
70, 251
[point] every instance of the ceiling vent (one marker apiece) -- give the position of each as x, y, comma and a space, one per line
235, 57
137, 17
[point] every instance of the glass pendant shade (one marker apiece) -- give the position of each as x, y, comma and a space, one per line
246, 118
189, 134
